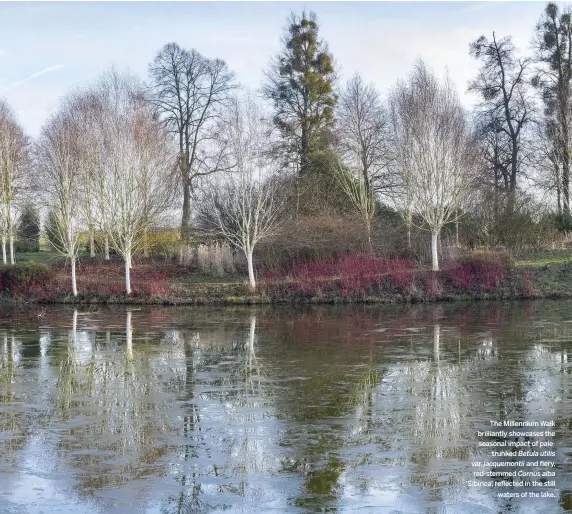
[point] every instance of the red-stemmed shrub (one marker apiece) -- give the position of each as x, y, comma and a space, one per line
480, 271
351, 275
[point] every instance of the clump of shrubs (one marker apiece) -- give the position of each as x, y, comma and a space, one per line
352, 275
481, 271
24, 277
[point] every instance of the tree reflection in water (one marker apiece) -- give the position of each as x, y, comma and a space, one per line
311, 409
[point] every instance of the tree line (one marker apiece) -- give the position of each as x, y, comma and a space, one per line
120, 155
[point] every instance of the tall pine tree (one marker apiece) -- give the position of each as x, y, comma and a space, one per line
300, 85
553, 45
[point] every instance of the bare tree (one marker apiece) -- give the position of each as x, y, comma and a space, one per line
363, 134
434, 150
14, 165
59, 170
245, 208
189, 92
360, 196
135, 162
506, 107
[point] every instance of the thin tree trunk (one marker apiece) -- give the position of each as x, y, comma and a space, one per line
74, 284
128, 273
145, 242
251, 279
457, 232
566, 186
4, 256
434, 254
106, 248
409, 220
186, 219
368, 229
12, 256
91, 244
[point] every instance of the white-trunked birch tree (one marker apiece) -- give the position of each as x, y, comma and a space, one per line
434, 150
59, 160
245, 207
135, 165
14, 165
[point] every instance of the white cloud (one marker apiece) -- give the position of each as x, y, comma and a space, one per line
33, 76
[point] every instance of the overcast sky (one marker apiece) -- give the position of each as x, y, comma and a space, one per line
47, 48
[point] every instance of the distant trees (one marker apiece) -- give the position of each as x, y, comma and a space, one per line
117, 155
299, 83
433, 150
14, 168
190, 92
505, 109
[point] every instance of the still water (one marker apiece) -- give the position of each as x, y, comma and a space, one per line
315, 409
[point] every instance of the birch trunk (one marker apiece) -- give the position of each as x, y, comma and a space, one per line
128, 273
434, 255
4, 257
251, 280
12, 257
74, 284
106, 248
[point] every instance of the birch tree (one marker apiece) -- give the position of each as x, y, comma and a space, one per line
14, 165
245, 208
434, 150
58, 152
360, 196
135, 162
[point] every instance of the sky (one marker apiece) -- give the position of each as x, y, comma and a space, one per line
48, 48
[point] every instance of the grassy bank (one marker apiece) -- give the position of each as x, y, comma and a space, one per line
44, 278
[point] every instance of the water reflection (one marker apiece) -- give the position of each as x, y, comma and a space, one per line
310, 410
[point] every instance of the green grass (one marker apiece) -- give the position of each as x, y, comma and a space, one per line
40, 257
544, 258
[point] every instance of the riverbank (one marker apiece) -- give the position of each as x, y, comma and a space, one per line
354, 279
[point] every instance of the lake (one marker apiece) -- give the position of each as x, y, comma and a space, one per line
310, 409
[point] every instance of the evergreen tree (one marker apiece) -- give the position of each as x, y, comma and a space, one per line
29, 229
553, 45
300, 85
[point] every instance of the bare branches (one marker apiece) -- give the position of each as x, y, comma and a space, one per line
135, 161
364, 135
434, 149
189, 93
506, 107
246, 207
